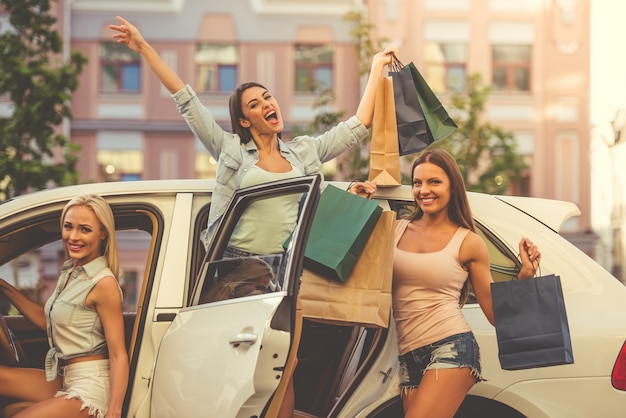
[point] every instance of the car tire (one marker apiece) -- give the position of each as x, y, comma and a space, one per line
472, 407
477, 407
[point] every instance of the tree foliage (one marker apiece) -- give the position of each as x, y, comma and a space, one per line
364, 45
34, 153
354, 164
324, 117
487, 154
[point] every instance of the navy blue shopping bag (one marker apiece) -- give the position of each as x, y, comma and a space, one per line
531, 323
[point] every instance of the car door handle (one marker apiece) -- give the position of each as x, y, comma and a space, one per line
243, 338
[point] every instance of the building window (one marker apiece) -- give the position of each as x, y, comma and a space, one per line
216, 68
511, 67
205, 165
314, 68
120, 68
121, 165
446, 66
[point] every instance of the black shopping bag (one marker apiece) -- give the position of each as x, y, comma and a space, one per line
342, 224
420, 116
531, 323
413, 135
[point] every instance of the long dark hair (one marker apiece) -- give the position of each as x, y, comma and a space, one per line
236, 110
458, 208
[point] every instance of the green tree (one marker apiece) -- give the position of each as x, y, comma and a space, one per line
324, 120
354, 164
487, 154
364, 45
34, 154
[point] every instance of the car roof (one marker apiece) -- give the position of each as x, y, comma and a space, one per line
552, 213
60, 194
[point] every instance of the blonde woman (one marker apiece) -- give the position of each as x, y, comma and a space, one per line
86, 368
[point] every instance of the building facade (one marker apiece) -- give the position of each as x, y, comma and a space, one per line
608, 193
534, 53
127, 123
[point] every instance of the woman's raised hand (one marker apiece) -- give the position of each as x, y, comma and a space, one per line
127, 34
383, 58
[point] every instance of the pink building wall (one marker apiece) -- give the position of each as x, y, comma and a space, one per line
554, 114
557, 106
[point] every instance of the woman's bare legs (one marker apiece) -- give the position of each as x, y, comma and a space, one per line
439, 394
55, 408
27, 384
31, 385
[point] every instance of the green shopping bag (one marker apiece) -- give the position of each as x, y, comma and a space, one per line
342, 224
420, 117
440, 124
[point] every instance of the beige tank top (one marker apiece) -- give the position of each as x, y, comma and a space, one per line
426, 290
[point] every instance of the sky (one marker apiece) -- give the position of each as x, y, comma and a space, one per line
608, 59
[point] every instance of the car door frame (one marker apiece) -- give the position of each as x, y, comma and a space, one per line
282, 319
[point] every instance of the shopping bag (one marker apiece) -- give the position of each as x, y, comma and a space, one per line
420, 116
439, 122
531, 323
342, 224
413, 135
384, 153
364, 299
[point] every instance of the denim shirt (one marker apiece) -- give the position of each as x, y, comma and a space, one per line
234, 158
74, 330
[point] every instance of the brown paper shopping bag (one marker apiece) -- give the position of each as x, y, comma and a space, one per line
365, 297
384, 149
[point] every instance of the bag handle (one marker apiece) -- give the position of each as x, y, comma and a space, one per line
395, 64
537, 272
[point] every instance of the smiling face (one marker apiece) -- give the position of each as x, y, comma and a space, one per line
261, 112
82, 234
431, 188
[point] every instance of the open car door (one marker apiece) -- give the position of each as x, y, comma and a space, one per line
225, 353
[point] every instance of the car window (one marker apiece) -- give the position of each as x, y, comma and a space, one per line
238, 277
33, 253
251, 264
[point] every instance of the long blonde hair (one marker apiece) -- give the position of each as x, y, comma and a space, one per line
103, 212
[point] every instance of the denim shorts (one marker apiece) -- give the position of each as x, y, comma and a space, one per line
89, 382
455, 351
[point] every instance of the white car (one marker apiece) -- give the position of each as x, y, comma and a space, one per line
193, 356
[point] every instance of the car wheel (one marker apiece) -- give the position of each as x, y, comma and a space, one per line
476, 407
472, 407
390, 409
